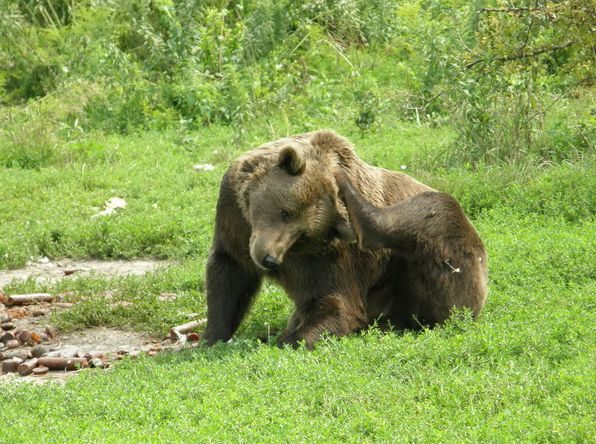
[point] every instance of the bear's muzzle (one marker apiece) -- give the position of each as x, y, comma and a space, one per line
270, 263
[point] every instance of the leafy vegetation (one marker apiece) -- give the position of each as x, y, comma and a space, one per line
491, 101
493, 69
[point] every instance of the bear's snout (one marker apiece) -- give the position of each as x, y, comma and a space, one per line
268, 249
270, 263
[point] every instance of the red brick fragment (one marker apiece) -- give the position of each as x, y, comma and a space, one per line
193, 337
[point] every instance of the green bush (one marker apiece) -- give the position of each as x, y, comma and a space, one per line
497, 74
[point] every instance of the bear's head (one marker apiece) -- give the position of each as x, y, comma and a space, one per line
290, 200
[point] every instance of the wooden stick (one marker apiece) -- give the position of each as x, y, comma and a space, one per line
524, 55
179, 331
186, 328
26, 299
27, 367
512, 10
10, 365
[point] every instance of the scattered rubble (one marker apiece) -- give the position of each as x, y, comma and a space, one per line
13, 343
97, 363
33, 350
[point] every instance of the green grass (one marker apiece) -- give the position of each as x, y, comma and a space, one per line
121, 99
523, 372
493, 381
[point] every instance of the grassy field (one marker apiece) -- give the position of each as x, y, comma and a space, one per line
523, 372
491, 101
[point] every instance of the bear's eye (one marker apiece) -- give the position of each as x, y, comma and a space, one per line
285, 215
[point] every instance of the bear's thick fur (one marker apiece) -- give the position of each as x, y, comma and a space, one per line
279, 215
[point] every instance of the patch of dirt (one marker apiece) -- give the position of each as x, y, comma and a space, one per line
45, 270
26, 331
104, 340
105, 344
111, 343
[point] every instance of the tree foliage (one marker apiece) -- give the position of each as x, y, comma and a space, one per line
491, 67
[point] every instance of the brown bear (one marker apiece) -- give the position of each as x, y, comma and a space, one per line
279, 215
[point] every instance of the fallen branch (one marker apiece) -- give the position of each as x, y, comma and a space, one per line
178, 332
10, 365
512, 10
523, 55
26, 368
27, 299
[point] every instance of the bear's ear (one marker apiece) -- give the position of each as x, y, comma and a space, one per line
292, 160
248, 166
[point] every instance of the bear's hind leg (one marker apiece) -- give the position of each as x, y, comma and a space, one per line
368, 222
444, 258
